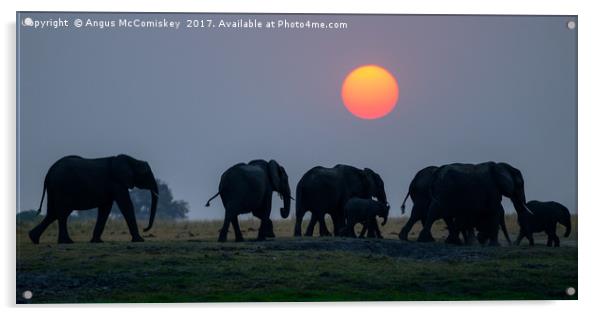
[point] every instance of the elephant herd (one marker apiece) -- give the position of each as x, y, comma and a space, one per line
466, 196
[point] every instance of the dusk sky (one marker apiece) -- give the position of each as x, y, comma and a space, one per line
193, 102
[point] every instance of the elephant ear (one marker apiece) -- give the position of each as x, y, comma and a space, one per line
504, 178
370, 183
141, 167
274, 174
121, 171
283, 176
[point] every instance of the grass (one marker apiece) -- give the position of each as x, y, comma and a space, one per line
182, 262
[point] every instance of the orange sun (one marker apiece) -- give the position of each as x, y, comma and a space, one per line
370, 92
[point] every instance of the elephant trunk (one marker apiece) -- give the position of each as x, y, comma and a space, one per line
566, 222
527, 209
153, 211
386, 215
284, 211
520, 206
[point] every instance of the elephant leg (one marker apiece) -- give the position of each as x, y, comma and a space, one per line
323, 229
270, 229
403, 234
373, 231
464, 233
530, 238
425, 234
553, 239
223, 233
35, 233
469, 236
261, 232
127, 209
493, 230
454, 234
502, 215
298, 221
521, 235
366, 230
481, 238
63, 232
309, 231
101, 220
338, 223
237, 232
376, 229
350, 231
554, 236
312, 223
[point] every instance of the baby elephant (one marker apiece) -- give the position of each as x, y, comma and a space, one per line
364, 211
544, 218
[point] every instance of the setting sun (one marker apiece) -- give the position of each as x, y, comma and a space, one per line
370, 92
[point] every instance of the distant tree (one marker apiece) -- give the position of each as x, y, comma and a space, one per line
167, 207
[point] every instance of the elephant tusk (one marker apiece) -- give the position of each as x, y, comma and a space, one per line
290, 197
528, 210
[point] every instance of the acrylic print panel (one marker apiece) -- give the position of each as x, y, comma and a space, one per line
294, 157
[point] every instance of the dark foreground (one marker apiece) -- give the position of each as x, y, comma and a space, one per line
289, 269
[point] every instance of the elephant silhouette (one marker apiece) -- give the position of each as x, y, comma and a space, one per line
76, 183
246, 188
326, 190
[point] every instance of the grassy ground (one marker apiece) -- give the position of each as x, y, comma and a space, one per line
182, 262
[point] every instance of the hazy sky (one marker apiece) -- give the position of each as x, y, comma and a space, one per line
193, 102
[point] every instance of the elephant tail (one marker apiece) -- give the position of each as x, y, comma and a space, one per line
403, 205
42, 200
213, 197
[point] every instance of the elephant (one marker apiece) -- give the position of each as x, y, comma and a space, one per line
544, 219
246, 188
76, 183
419, 191
358, 210
469, 195
482, 236
326, 190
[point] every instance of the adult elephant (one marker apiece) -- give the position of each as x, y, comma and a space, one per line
76, 183
469, 195
420, 193
246, 188
326, 190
